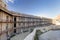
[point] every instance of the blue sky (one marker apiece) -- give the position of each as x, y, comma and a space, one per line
45, 8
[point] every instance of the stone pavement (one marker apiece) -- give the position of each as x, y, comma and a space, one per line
20, 36
50, 35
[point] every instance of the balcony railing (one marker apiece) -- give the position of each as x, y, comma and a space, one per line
3, 20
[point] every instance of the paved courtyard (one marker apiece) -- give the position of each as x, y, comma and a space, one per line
50, 35
20, 36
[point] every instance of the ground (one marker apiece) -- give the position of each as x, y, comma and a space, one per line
50, 35
20, 36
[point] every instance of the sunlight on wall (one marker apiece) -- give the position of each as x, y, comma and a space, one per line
57, 23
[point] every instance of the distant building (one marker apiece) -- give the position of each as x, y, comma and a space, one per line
56, 20
12, 23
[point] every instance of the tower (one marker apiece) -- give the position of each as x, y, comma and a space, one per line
2, 4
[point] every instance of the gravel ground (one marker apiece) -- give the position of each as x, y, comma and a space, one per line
20, 36
50, 35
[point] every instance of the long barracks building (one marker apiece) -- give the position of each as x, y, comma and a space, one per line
12, 23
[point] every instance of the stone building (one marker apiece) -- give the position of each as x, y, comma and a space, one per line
56, 20
12, 23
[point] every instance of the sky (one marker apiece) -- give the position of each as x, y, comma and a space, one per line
45, 8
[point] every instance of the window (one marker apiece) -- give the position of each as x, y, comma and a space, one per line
7, 26
7, 30
19, 18
19, 24
6, 18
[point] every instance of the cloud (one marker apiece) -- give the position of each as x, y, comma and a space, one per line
12, 1
43, 14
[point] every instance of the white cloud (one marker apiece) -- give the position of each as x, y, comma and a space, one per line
12, 1
44, 14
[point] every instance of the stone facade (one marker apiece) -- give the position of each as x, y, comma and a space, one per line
12, 23
2, 4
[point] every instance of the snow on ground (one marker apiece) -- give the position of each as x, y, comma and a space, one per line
50, 35
20, 36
